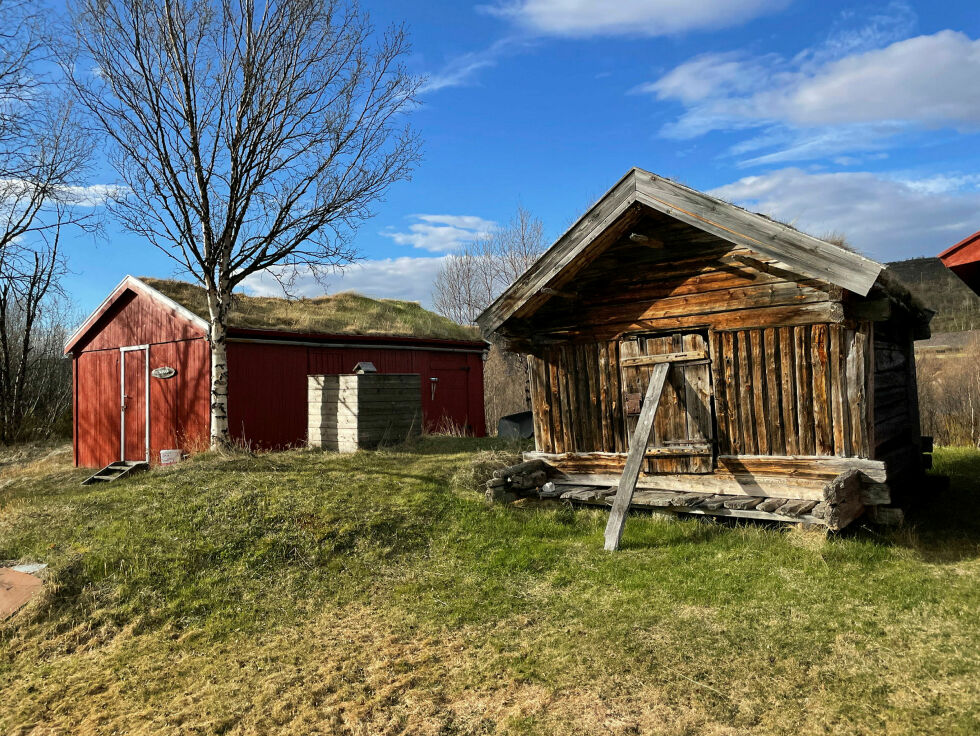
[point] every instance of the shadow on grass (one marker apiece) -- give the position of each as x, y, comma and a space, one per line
943, 523
436, 444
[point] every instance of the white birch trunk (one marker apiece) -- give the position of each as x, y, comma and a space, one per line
218, 337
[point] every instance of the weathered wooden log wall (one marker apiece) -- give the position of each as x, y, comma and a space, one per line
896, 438
896, 407
693, 280
798, 367
576, 398
797, 390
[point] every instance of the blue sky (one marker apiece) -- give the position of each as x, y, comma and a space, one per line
862, 119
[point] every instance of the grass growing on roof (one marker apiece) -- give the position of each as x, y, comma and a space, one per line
308, 592
347, 313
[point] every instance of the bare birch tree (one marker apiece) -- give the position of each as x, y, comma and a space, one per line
249, 135
44, 153
471, 278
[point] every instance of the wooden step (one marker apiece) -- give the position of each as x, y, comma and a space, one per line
115, 471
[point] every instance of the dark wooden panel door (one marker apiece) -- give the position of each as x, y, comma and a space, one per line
683, 434
134, 406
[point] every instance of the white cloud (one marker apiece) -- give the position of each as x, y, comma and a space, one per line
886, 218
791, 144
95, 195
441, 233
927, 79
92, 195
404, 278
583, 18
855, 31
460, 71
822, 103
944, 183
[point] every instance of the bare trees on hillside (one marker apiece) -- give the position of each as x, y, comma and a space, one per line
470, 279
43, 155
249, 135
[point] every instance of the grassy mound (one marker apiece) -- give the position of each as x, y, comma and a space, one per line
308, 592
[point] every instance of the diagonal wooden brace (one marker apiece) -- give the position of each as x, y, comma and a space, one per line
637, 453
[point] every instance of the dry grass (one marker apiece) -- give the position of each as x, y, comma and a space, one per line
949, 393
343, 672
307, 592
347, 313
33, 459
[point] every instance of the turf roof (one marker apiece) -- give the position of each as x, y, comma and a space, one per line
347, 313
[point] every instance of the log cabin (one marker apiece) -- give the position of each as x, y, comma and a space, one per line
790, 388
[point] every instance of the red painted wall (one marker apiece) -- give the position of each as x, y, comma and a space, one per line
267, 400
963, 259
97, 407
180, 406
267, 394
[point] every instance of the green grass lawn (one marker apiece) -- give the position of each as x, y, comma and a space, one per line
376, 593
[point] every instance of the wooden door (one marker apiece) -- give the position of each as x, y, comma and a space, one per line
135, 419
683, 434
447, 398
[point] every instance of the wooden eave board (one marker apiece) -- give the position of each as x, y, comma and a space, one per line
801, 253
553, 261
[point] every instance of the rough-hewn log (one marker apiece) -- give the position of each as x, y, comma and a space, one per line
529, 466
844, 487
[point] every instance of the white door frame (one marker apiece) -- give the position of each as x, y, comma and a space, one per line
122, 399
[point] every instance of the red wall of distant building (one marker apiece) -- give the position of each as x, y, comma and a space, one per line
963, 259
267, 391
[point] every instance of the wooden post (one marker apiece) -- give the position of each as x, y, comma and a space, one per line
634, 460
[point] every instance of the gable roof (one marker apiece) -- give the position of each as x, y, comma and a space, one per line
335, 315
131, 283
798, 252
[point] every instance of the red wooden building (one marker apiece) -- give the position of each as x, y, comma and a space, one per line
963, 259
142, 376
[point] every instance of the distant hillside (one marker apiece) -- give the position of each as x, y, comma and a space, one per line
957, 307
